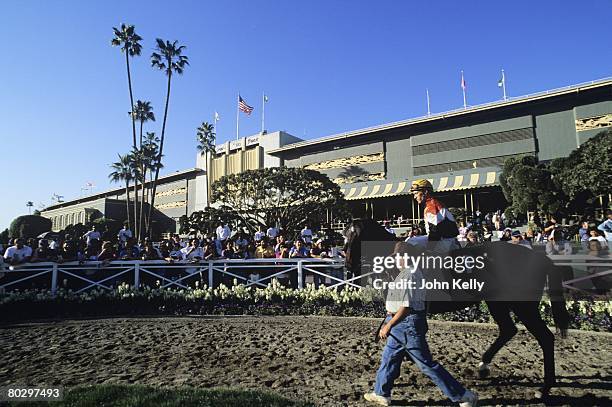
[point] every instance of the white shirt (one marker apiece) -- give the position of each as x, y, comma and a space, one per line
272, 232
600, 239
259, 235
18, 254
306, 235
92, 235
223, 232
412, 296
197, 252
124, 235
53, 245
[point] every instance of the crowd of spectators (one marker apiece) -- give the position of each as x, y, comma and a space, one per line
224, 243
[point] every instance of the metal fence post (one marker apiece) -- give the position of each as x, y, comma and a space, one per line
210, 274
300, 273
137, 275
54, 279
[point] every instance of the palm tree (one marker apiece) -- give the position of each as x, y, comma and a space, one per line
170, 59
29, 204
123, 171
129, 41
206, 137
143, 112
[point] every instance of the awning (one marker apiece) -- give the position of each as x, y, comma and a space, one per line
382, 189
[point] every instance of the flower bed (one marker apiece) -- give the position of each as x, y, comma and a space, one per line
275, 299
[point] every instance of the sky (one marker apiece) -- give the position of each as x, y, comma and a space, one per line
326, 66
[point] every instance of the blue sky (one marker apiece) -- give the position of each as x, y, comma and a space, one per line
327, 66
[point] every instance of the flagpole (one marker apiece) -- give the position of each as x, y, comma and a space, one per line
238, 116
463, 88
263, 112
504, 84
215, 121
428, 109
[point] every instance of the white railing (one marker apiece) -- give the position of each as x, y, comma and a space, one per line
252, 272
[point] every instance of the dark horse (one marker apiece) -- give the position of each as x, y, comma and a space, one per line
515, 277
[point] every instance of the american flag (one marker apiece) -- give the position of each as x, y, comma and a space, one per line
463, 84
243, 106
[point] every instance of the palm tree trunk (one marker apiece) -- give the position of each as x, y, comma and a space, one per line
161, 147
144, 181
127, 202
127, 62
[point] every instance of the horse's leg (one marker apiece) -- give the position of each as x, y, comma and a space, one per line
500, 311
529, 314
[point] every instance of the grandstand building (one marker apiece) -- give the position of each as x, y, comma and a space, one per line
461, 152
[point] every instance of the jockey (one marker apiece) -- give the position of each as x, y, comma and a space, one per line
440, 225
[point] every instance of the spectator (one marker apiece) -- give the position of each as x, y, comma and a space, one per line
150, 252
241, 242
54, 244
93, 249
175, 253
601, 284
43, 252
193, 252
69, 252
130, 251
283, 251
388, 227
92, 234
210, 251
223, 232
595, 235
272, 233
124, 235
306, 235
18, 253
606, 226
557, 244
517, 238
463, 231
176, 239
506, 235
299, 250
108, 252
264, 250
472, 239
280, 241
260, 234
550, 225
164, 249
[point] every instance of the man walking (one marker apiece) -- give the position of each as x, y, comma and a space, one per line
404, 329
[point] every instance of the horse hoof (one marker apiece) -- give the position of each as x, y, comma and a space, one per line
483, 370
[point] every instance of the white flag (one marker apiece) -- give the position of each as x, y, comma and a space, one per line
217, 118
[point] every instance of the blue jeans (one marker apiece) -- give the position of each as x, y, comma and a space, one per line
410, 333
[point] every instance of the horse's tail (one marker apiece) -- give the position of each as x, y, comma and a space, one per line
556, 294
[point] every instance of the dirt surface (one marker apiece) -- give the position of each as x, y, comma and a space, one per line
330, 361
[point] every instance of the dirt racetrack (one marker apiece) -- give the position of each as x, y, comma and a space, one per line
327, 360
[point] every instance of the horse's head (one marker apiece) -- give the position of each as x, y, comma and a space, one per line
358, 231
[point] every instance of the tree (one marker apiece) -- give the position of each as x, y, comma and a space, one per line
143, 112
170, 59
587, 171
28, 226
129, 41
4, 236
29, 204
528, 186
282, 196
206, 137
123, 172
